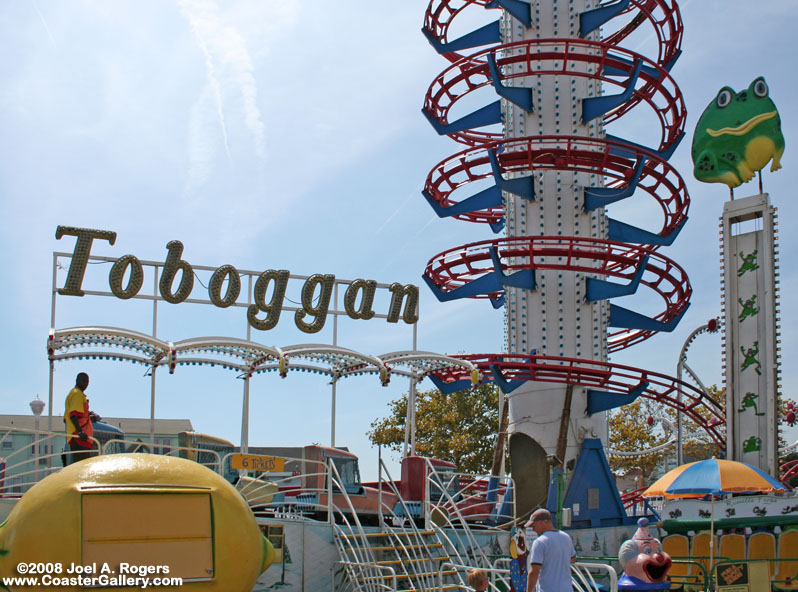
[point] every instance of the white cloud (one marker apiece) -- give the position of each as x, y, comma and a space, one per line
227, 62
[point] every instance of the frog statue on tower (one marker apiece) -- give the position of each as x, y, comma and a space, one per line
737, 135
645, 565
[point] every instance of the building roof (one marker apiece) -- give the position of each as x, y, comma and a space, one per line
129, 425
136, 425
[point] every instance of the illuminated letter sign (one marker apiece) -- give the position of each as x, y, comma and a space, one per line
80, 256
318, 287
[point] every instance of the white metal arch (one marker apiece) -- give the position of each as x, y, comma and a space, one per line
248, 358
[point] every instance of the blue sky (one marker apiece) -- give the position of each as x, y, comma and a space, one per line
288, 134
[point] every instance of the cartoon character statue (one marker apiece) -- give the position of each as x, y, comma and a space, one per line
519, 553
736, 136
645, 565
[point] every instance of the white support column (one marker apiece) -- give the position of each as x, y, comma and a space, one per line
412, 412
245, 417
154, 334
52, 328
332, 412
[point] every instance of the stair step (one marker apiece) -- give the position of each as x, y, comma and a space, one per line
401, 561
429, 546
372, 535
430, 574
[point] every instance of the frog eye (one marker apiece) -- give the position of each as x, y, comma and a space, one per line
761, 88
724, 98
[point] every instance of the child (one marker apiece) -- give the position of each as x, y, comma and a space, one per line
478, 579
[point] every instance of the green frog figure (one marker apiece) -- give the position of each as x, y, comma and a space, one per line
736, 136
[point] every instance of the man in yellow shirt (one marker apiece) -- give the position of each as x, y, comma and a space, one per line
78, 420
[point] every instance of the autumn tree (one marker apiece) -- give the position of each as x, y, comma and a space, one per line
697, 443
630, 431
460, 427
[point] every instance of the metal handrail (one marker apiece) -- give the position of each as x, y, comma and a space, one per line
472, 543
29, 471
173, 450
443, 481
352, 565
421, 543
334, 476
691, 579
584, 580
492, 571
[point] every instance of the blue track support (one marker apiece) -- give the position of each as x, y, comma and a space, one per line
520, 279
593, 107
611, 70
447, 388
598, 401
673, 60
663, 154
604, 290
519, 96
486, 35
493, 489
598, 197
497, 227
482, 285
624, 318
523, 187
626, 233
590, 20
487, 115
520, 9
593, 488
498, 302
485, 199
506, 386
504, 511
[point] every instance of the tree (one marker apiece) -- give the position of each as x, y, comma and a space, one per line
459, 428
629, 431
698, 445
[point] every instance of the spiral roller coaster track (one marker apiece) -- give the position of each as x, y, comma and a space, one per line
474, 184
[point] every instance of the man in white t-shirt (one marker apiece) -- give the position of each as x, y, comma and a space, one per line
550, 557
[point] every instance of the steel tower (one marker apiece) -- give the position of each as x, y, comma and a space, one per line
532, 97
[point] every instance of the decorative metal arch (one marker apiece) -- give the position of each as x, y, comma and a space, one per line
247, 358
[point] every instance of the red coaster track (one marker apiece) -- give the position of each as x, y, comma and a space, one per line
578, 58
662, 14
616, 161
608, 377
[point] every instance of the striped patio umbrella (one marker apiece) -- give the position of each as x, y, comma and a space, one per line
713, 477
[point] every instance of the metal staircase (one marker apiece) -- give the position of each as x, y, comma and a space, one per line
409, 557
405, 559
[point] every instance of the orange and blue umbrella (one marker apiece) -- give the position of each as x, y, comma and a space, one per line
713, 477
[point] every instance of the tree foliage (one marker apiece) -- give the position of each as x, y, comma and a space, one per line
629, 431
459, 428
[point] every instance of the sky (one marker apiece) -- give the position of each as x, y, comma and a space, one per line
288, 135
